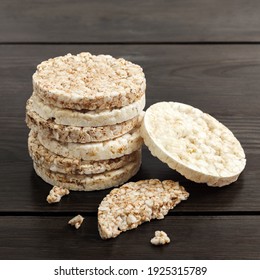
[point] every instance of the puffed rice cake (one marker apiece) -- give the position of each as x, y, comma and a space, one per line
53, 162
67, 133
85, 117
193, 143
123, 145
86, 81
91, 182
134, 203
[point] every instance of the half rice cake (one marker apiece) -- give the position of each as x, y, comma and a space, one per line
123, 145
193, 143
91, 182
66, 133
134, 203
55, 163
90, 82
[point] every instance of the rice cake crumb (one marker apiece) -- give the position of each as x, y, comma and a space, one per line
56, 193
160, 238
76, 221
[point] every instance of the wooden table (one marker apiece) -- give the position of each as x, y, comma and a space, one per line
203, 53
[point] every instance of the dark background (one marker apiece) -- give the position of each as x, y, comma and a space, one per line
205, 53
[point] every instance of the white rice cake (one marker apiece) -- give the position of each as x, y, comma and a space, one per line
193, 143
85, 117
134, 203
123, 145
67, 133
91, 82
92, 182
48, 160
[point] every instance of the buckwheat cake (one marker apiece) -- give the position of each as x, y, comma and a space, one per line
134, 203
193, 143
86, 81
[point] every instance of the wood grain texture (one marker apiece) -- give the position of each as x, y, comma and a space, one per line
191, 238
131, 21
23, 191
221, 80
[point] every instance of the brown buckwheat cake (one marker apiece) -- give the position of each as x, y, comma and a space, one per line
193, 143
86, 81
134, 203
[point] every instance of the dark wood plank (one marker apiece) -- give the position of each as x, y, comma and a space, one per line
191, 238
23, 191
132, 21
221, 80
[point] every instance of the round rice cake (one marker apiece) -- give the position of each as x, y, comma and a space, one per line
90, 82
85, 117
123, 145
50, 161
66, 133
193, 143
92, 182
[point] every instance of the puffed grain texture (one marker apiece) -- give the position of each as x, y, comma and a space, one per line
193, 143
76, 221
92, 182
66, 133
160, 238
86, 81
123, 145
134, 203
53, 162
84, 117
56, 193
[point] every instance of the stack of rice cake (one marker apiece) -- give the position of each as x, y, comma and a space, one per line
84, 115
